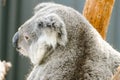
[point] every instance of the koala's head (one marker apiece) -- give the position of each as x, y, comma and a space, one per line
39, 36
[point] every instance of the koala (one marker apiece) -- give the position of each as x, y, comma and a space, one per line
63, 45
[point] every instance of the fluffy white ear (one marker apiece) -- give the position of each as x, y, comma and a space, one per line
62, 35
42, 5
59, 26
61, 31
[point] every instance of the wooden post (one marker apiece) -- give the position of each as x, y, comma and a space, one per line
98, 13
117, 74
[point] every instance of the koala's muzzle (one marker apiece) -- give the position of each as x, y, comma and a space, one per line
15, 40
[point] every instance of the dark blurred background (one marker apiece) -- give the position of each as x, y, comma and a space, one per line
13, 13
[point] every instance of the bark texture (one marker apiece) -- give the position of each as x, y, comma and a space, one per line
98, 13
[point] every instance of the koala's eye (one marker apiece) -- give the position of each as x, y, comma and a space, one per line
40, 24
26, 38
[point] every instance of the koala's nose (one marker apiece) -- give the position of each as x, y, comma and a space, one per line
15, 39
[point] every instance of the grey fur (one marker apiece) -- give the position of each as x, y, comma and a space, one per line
79, 53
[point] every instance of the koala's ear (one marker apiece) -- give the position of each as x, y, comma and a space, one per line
62, 35
41, 6
59, 26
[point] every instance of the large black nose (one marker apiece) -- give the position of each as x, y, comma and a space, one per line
15, 39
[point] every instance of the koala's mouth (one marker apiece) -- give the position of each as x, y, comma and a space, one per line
18, 48
21, 51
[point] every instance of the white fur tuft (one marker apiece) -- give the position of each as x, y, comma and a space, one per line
37, 50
